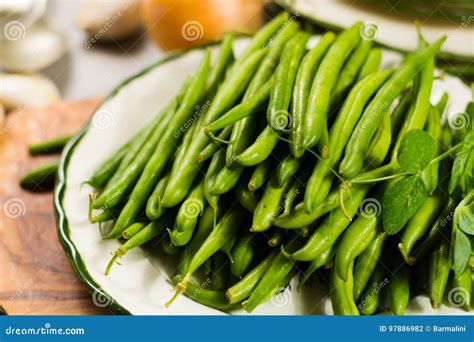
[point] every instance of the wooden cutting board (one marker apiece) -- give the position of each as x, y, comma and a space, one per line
35, 276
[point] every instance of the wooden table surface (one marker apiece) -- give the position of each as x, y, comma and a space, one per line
35, 276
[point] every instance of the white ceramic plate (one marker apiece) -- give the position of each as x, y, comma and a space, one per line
141, 284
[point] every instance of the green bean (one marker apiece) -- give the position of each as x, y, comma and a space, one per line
285, 74
315, 126
152, 230
291, 196
350, 70
163, 151
366, 264
242, 254
320, 261
247, 107
213, 146
272, 278
107, 168
331, 228
168, 247
286, 169
40, 178
380, 144
439, 272
209, 298
419, 224
371, 64
228, 246
341, 293
399, 290
220, 272
133, 230
153, 206
355, 240
430, 174
184, 173
188, 216
105, 215
205, 226
247, 199
360, 139
49, 146
225, 180
217, 162
370, 301
400, 112
243, 131
226, 228
277, 237
321, 180
223, 61
249, 282
115, 193
260, 174
308, 67
260, 149
269, 206
462, 288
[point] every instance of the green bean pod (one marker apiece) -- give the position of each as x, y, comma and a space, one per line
219, 272
249, 282
225, 180
308, 67
366, 264
371, 297
360, 139
214, 145
168, 247
242, 254
285, 74
135, 228
350, 70
153, 205
460, 294
319, 98
321, 180
277, 237
49, 146
217, 162
371, 64
260, 174
269, 206
438, 273
287, 168
315, 264
399, 290
260, 150
40, 178
355, 240
188, 216
210, 298
184, 173
247, 199
341, 293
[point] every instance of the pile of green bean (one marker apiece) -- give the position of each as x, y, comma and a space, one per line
284, 161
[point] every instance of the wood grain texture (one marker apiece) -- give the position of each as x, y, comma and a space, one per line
35, 276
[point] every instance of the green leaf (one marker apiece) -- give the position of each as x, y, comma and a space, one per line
457, 171
400, 201
462, 252
416, 150
464, 214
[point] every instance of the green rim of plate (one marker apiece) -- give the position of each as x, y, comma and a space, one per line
62, 225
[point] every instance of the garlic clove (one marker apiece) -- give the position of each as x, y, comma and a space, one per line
29, 49
18, 90
109, 20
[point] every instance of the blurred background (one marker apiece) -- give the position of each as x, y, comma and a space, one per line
73, 49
